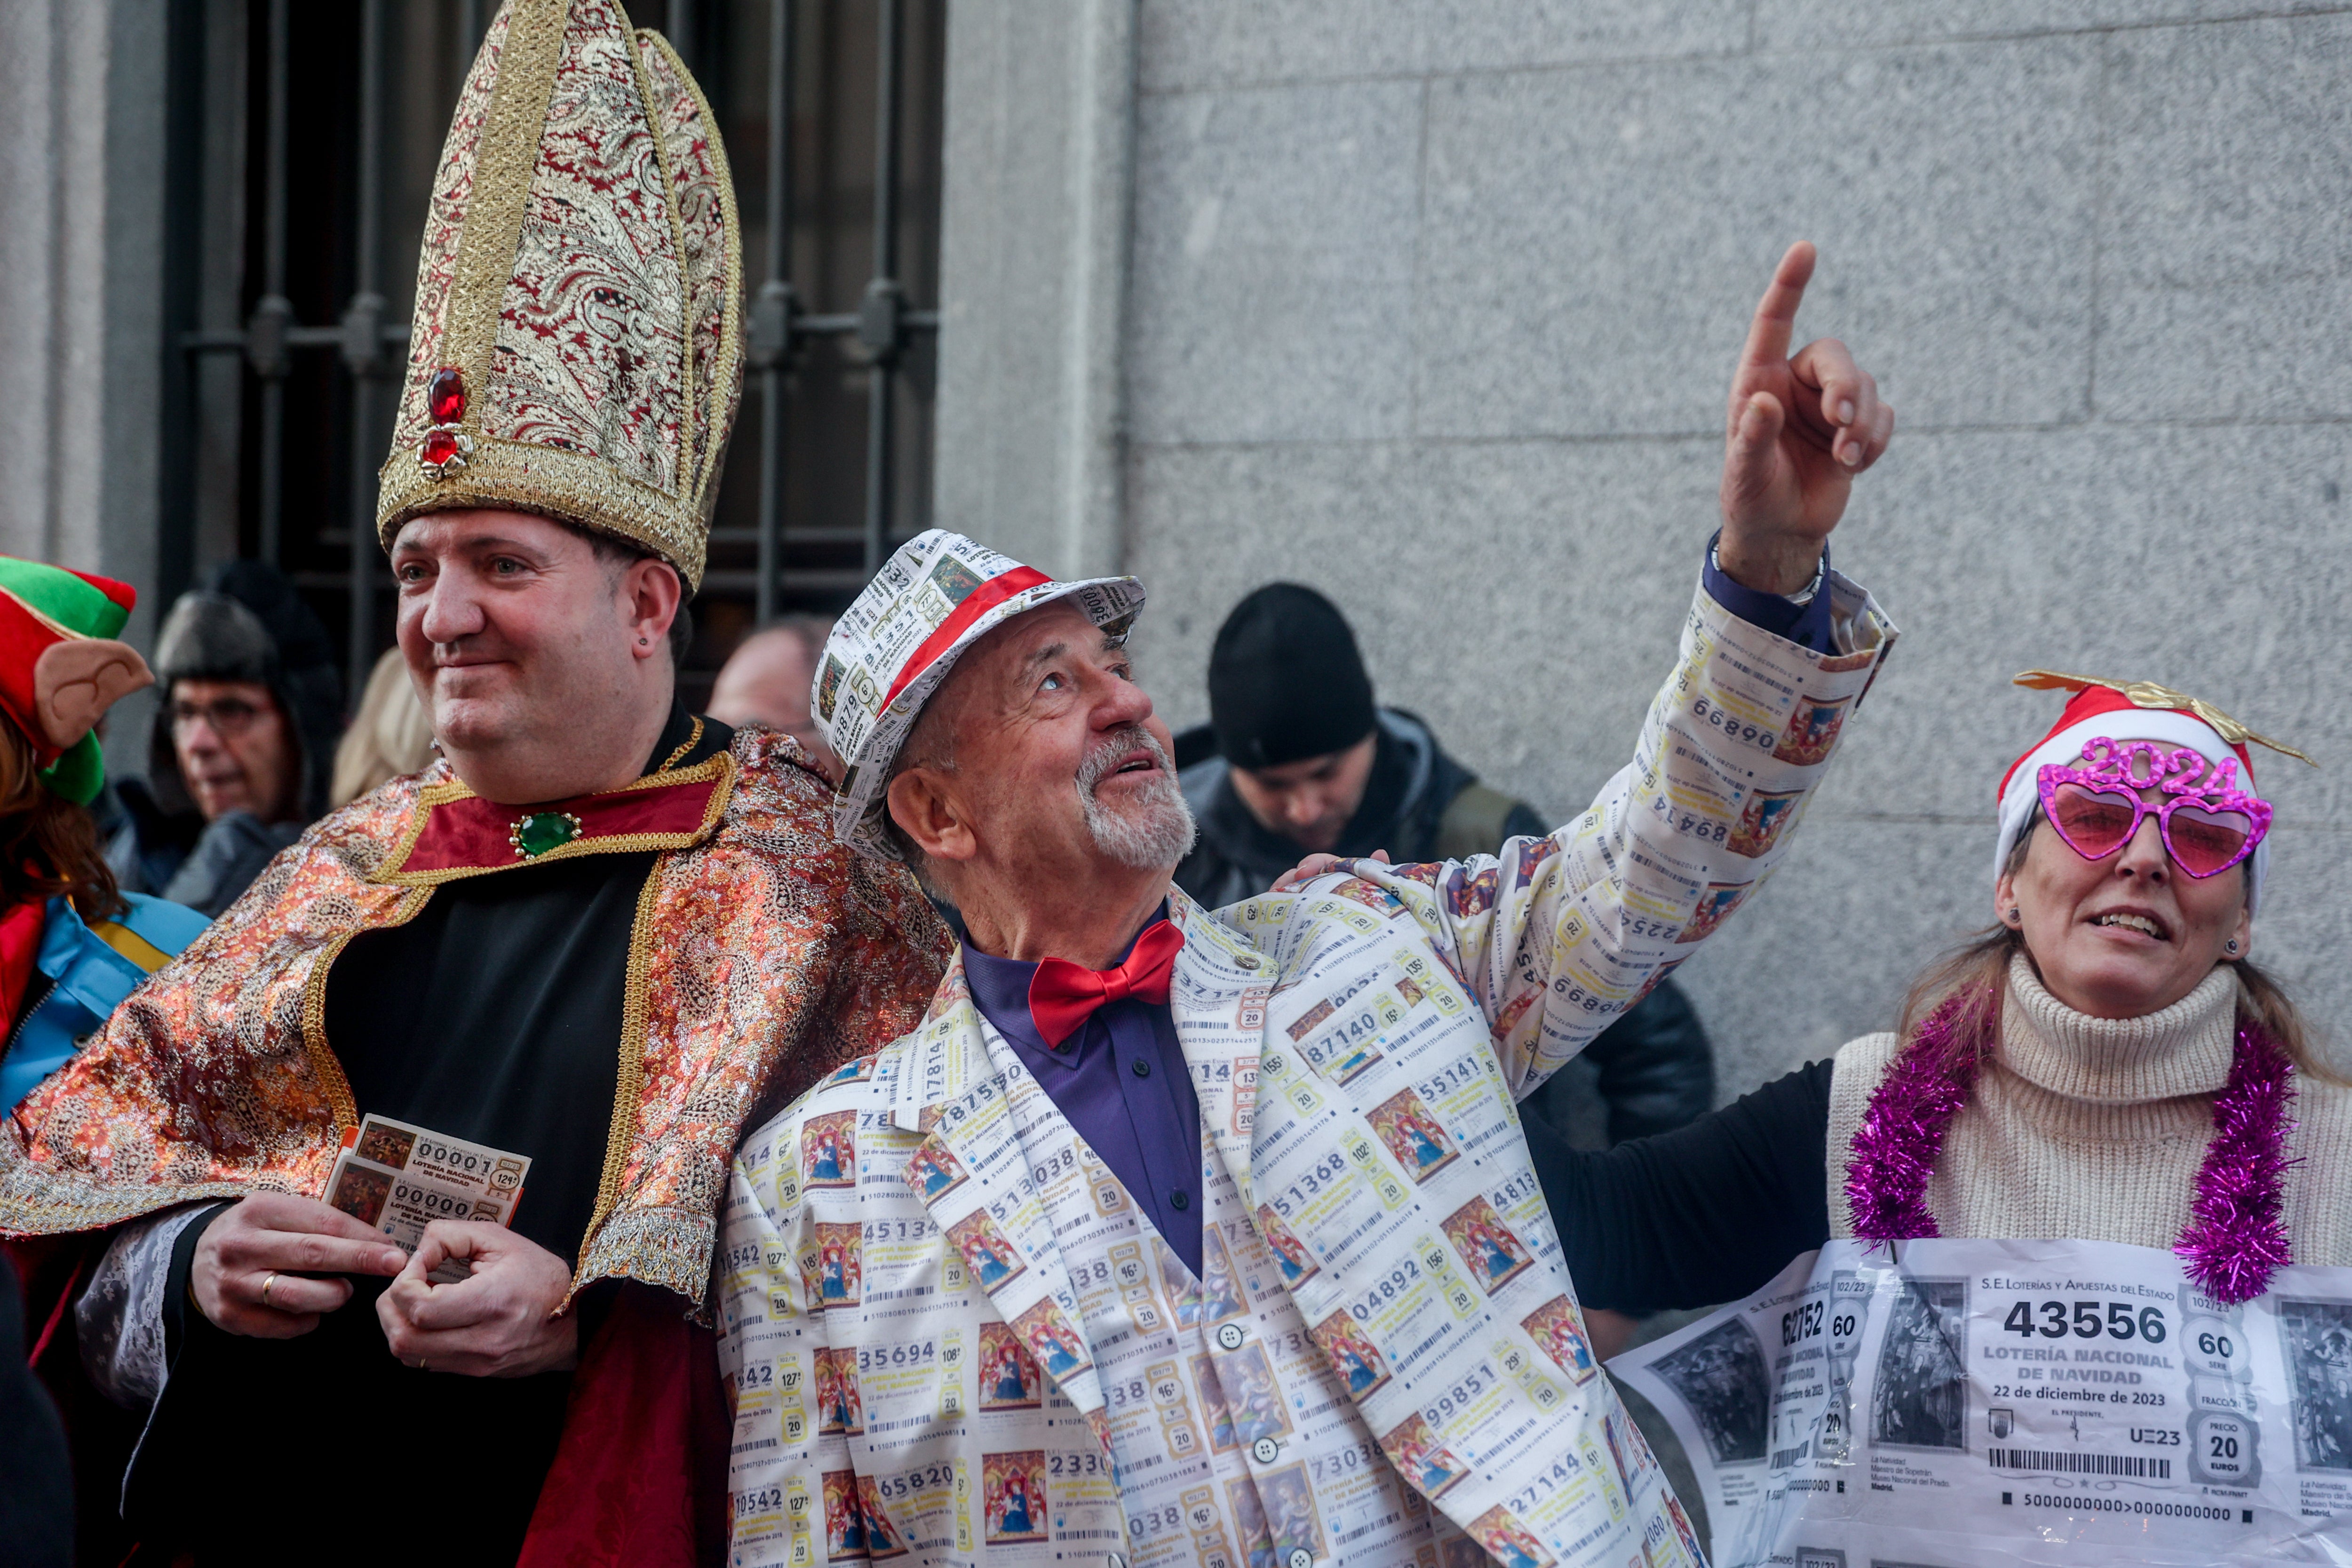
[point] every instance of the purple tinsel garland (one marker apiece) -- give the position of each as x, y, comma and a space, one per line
2236, 1239
1903, 1130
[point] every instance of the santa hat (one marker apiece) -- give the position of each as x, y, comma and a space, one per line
2150, 712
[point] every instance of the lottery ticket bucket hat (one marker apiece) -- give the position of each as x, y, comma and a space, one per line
576, 349
934, 597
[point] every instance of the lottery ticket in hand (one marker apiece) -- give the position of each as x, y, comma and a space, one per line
451, 1162
400, 1179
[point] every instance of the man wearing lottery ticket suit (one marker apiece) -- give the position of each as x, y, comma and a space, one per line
511, 1012
1240, 1197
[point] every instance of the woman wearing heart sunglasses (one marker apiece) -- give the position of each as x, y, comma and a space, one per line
2104, 1062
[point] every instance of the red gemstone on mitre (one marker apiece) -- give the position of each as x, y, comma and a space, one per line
440, 446
447, 395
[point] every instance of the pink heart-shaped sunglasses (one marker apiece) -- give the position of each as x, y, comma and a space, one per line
2208, 824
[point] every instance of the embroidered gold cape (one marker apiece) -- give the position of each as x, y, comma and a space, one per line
765, 954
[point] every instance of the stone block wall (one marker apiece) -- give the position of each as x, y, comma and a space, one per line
1434, 305
81, 318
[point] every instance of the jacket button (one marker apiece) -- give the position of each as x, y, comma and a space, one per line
1266, 1450
1301, 1558
1230, 1337
1114, 1559
1142, 1068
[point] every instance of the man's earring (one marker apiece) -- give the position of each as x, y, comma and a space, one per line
2011, 917
2230, 946
645, 642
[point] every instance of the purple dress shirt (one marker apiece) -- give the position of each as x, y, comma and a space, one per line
1122, 1082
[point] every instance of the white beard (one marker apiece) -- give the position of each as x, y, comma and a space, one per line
1157, 829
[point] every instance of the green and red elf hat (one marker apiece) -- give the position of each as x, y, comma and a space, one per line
61, 666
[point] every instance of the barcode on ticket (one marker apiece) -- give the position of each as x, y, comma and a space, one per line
2061, 1463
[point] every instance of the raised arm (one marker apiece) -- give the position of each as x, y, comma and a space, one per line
1558, 936
1797, 432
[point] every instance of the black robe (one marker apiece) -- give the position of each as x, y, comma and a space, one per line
494, 1016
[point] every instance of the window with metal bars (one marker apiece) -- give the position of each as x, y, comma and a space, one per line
303, 140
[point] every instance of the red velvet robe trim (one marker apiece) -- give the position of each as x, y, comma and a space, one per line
640, 1474
473, 832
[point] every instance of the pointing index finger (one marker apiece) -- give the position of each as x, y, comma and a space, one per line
1775, 314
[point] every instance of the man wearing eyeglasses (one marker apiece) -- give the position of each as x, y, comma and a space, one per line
244, 740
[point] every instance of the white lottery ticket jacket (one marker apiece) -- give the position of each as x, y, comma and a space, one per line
951, 1337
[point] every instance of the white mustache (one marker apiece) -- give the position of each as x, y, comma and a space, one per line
1113, 751
1159, 831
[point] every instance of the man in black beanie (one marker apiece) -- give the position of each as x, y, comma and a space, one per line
1297, 758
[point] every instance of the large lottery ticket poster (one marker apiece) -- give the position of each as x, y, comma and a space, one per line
1956, 1403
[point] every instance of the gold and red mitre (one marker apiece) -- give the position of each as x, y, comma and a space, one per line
576, 349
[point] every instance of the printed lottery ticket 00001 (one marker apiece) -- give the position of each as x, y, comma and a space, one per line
1966, 1402
400, 1179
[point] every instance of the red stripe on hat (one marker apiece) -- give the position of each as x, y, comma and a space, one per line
2093, 701
976, 604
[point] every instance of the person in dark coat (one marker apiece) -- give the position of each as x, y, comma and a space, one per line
244, 743
1297, 758
36, 1495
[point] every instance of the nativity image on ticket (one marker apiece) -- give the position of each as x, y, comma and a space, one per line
400, 1179
1961, 1404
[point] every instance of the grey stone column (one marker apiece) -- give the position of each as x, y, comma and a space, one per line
1033, 263
81, 184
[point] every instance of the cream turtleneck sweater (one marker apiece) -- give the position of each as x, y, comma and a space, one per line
2094, 1128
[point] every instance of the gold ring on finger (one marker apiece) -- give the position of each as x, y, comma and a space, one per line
266, 1281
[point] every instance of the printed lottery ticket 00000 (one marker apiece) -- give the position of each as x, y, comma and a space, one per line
447, 1162
400, 1179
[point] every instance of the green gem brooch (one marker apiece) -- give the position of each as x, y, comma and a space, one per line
541, 831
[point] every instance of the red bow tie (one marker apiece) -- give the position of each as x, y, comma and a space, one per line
1063, 996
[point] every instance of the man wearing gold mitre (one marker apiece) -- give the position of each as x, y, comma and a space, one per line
394, 1198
